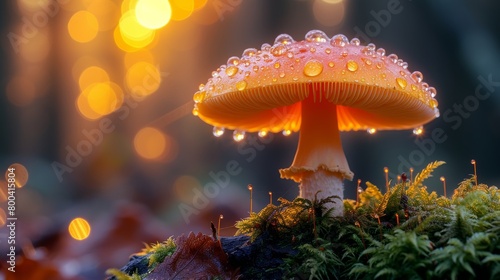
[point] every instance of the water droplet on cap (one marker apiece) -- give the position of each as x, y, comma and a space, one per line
339, 40
432, 92
418, 130
278, 50
392, 57
201, 87
241, 85
238, 135
250, 52
265, 47
286, 132
234, 60
262, 133
231, 70
331, 64
284, 39
215, 74
218, 131
195, 111
316, 36
433, 103
199, 96
381, 51
417, 77
313, 68
355, 41
371, 130
277, 65
352, 66
401, 82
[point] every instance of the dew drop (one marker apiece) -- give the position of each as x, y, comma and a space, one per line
371, 130
366, 61
432, 92
284, 39
381, 51
278, 50
425, 86
355, 41
312, 50
286, 132
417, 77
339, 40
238, 135
313, 68
401, 82
215, 74
418, 130
275, 79
218, 131
343, 54
241, 85
413, 87
199, 96
379, 65
433, 103
331, 64
352, 66
250, 52
277, 65
282, 74
247, 73
262, 133
400, 62
255, 68
436, 113
402, 73
295, 78
404, 65
265, 47
195, 111
231, 70
289, 54
201, 87
316, 36
392, 57
328, 51
234, 60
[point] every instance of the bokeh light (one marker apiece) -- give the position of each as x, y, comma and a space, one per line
91, 75
83, 26
199, 4
142, 79
3, 190
21, 173
153, 14
20, 91
133, 33
79, 229
150, 143
181, 9
143, 55
3, 217
100, 99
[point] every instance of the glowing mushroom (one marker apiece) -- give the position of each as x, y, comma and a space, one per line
319, 86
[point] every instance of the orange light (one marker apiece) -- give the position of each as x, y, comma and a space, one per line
99, 99
199, 4
150, 143
20, 172
106, 12
91, 75
132, 58
79, 229
83, 26
153, 14
3, 217
142, 79
133, 33
182, 9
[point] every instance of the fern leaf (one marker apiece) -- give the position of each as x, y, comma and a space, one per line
426, 173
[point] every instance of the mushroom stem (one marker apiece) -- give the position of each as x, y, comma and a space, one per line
320, 163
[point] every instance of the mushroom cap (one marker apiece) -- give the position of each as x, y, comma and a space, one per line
262, 90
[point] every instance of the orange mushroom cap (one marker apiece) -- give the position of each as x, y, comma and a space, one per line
320, 86
262, 90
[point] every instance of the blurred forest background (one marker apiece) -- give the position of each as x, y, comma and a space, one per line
96, 100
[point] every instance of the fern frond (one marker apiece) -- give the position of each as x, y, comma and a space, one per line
426, 173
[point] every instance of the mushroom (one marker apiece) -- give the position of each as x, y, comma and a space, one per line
320, 86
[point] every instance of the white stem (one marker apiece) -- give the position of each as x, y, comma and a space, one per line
330, 184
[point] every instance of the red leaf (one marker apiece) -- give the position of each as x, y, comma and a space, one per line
196, 257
